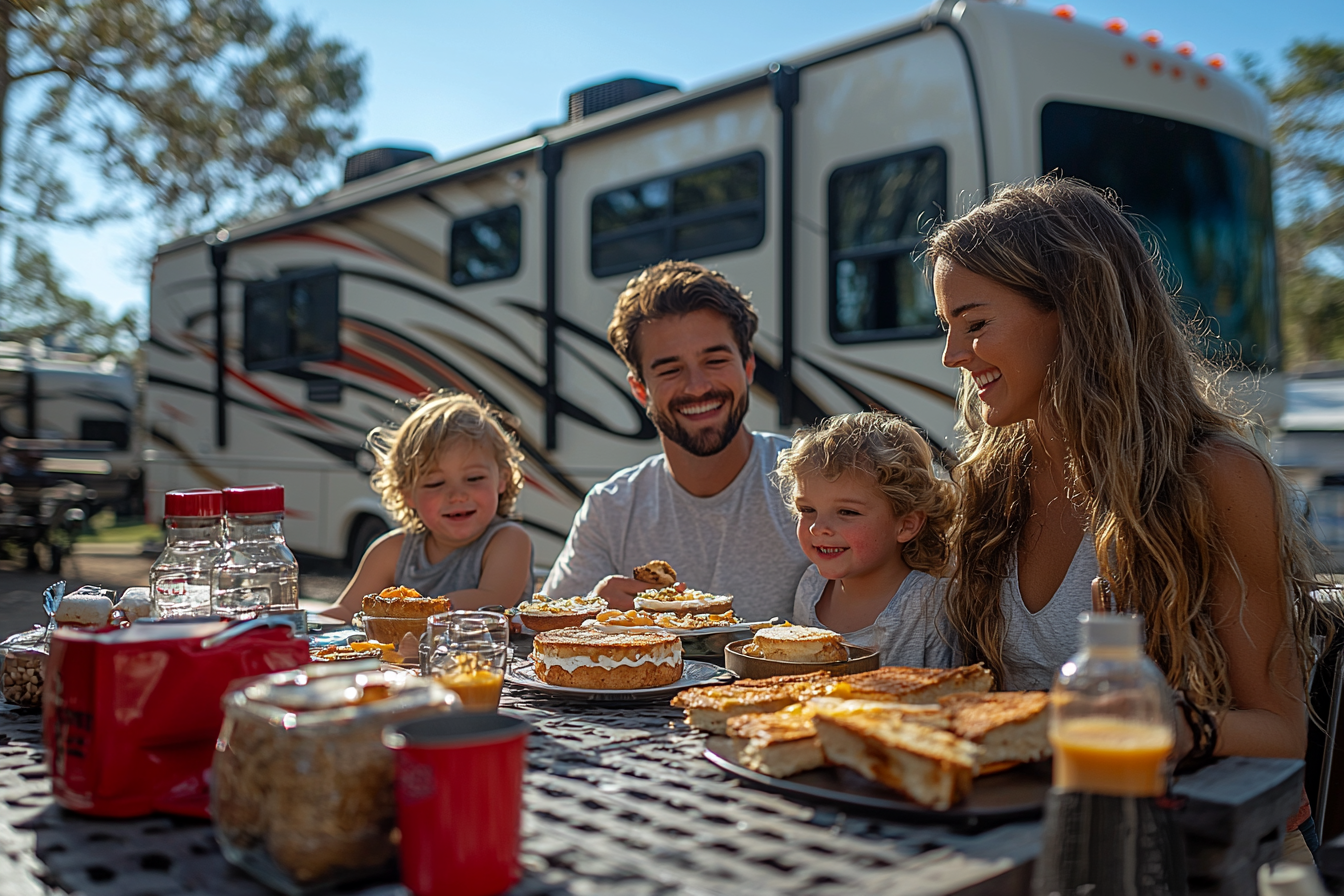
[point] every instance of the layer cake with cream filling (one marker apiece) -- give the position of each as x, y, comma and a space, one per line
596, 660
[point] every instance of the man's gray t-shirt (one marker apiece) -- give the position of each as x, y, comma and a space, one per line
739, 542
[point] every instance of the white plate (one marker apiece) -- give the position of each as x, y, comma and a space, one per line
693, 673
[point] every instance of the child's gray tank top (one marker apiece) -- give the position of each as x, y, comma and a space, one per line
1035, 645
459, 571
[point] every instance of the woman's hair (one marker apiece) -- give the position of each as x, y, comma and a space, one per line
897, 459
406, 453
1133, 403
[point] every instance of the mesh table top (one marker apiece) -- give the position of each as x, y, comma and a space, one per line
618, 800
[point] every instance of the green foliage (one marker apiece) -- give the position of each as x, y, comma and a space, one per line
1308, 107
193, 112
36, 304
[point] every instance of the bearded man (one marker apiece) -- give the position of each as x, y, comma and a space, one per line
708, 504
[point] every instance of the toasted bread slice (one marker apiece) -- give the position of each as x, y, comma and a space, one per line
881, 742
710, 708
1009, 725
778, 744
908, 684
656, 572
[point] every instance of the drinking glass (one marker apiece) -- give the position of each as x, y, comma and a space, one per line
466, 651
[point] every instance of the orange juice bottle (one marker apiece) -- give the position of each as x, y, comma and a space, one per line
1112, 719
478, 689
1112, 727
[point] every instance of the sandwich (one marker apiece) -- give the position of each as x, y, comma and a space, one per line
778, 744
894, 745
908, 684
1009, 725
709, 708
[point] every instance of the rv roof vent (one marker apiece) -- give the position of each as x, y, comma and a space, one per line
591, 100
372, 161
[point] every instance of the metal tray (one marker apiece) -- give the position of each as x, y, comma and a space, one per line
1013, 795
693, 673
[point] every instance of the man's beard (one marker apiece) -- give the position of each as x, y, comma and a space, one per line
707, 442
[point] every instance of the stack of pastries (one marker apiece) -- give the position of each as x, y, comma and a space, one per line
926, 733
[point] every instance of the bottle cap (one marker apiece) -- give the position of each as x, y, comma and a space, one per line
245, 499
200, 502
1111, 630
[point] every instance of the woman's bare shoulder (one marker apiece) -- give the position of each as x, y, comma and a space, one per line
1234, 473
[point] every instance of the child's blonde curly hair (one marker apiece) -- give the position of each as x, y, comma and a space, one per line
896, 457
407, 452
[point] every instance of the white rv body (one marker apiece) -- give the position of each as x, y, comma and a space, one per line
947, 103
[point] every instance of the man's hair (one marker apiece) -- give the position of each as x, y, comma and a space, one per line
407, 453
672, 288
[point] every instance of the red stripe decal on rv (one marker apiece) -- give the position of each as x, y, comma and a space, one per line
330, 241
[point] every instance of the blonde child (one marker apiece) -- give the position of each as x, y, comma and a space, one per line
872, 518
450, 475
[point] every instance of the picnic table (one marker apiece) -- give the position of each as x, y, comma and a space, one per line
620, 801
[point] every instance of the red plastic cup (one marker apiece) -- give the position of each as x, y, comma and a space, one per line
459, 802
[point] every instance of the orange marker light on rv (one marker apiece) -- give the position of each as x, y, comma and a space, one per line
1186, 49
1065, 11
1152, 38
1116, 25
1216, 62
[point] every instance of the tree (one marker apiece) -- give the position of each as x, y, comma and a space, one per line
192, 112
1308, 109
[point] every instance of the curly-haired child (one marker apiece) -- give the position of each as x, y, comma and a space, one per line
873, 519
450, 475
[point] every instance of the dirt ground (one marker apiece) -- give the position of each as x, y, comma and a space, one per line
21, 590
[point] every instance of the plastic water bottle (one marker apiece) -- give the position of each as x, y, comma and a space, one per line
179, 581
255, 573
1108, 829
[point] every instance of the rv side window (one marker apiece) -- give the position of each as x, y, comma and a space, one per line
291, 319
879, 212
709, 210
485, 247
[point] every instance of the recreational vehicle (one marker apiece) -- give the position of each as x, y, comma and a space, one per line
277, 344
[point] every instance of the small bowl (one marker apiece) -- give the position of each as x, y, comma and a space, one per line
391, 629
861, 659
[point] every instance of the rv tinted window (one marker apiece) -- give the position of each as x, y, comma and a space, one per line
1206, 198
878, 213
292, 319
708, 210
485, 247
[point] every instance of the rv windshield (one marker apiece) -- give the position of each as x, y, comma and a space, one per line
1204, 195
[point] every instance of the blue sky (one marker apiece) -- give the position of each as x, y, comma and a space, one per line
449, 76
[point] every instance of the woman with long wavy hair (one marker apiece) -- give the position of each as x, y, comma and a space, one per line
1098, 443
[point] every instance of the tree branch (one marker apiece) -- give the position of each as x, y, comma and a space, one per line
50, 70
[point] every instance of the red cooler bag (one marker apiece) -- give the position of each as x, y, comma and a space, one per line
130, 716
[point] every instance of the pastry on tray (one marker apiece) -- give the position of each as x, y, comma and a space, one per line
656, 572
709, 708
637, 620
909, 684
778, 744
359, 650
797, 644
682, 601
590, 659
928, 765
1009, 725
544, 614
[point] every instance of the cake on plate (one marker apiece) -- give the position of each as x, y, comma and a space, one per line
544, 614
797, 644
595, 660
683, 601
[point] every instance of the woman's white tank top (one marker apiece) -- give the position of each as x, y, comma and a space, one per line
1035, 645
